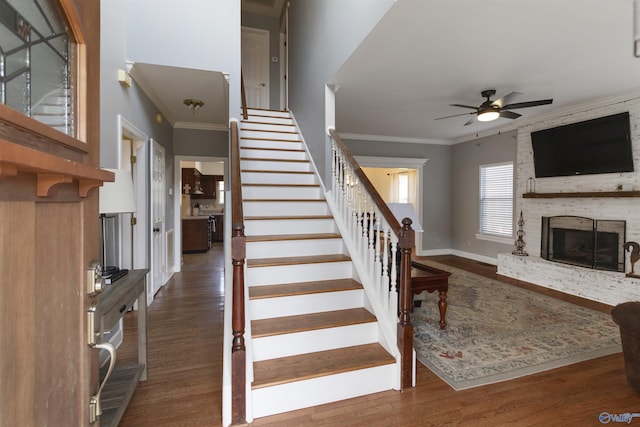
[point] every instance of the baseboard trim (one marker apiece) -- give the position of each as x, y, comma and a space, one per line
463, 254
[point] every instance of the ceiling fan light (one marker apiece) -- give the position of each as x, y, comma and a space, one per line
487, 116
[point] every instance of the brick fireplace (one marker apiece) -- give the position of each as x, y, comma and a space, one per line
605, 197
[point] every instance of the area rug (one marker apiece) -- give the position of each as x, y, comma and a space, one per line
497, 332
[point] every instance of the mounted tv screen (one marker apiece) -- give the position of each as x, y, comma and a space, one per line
601, 145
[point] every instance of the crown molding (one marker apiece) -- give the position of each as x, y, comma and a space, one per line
201, 126
389, 138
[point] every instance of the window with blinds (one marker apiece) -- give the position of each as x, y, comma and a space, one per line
496, 199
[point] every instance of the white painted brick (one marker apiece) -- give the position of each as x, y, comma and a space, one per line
608, 287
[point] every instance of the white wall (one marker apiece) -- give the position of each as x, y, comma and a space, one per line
198, 34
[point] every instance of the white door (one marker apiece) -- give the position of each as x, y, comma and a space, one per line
255, 66
158, 244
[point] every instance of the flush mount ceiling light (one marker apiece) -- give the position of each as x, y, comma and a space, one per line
193, 104
488, 115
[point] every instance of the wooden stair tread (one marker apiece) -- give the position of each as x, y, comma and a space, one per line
244, 138
280, 237
285, 200
322, 363
310, 259
291, 150
280, 217
253, 122
310, 322
267, 159
303, 288
270, 131
280, 185
276, 171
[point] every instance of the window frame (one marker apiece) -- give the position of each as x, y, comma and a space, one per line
483, 233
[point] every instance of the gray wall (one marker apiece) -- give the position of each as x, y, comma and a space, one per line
193, 142
467, 159
272, 25
322, 35
436, 186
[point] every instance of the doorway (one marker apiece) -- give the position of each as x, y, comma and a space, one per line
255, 66
398, 180
208, 166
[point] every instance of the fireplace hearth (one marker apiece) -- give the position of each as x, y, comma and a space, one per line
584, 242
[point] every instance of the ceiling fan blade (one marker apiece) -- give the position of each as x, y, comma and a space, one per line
471, 120
463, 106
527, 104
505, 100
455, 115
509, 114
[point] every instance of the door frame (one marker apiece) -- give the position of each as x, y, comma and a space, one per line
401, 162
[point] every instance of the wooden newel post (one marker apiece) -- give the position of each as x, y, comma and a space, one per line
405, 329
238, 350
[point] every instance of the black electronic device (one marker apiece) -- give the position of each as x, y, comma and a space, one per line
596, 146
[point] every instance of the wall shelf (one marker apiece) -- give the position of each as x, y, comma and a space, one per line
581, 194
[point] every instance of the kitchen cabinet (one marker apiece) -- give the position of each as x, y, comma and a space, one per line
195, 234
189, 178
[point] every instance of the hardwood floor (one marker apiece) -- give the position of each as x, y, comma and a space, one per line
185, 368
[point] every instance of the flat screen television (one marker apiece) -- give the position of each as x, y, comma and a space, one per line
601, 145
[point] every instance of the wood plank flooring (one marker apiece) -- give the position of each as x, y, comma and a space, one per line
185, 370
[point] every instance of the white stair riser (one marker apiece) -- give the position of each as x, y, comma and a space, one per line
298, 273
281, 192
285, 127
271, 120
281, 226
250, 153
285, 208
277, 136
291, 248
273, 165
317, 391
270, 113
266, 308
311, 341
277, 178
256, 143
49, 120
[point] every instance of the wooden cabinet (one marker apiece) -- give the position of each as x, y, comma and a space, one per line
114, 302
195, 234
188, 180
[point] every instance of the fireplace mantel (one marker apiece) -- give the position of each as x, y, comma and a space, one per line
620, 193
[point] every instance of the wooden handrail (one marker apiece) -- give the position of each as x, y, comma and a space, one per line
245, 114
406, 238
377, 199
238, 255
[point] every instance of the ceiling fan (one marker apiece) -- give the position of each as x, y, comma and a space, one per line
490, 110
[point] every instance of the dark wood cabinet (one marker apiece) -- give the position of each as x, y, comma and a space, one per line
195, 234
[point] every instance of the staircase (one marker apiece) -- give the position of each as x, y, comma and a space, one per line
313, 340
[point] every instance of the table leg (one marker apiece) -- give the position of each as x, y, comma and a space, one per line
442, 305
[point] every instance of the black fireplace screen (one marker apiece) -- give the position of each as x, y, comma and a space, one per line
584, 242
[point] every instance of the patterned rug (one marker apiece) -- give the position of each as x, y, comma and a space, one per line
497, 332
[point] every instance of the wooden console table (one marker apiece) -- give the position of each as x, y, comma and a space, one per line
115, 301
430, 279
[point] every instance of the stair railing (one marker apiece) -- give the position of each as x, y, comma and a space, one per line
377, 237
243, 97
238, 255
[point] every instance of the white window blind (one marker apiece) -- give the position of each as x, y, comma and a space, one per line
496, 199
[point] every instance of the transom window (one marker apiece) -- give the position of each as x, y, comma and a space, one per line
496, 199
36, 62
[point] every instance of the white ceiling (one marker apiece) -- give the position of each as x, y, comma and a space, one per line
168, 87
427, 54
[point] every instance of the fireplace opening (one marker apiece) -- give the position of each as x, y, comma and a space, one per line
584, 242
